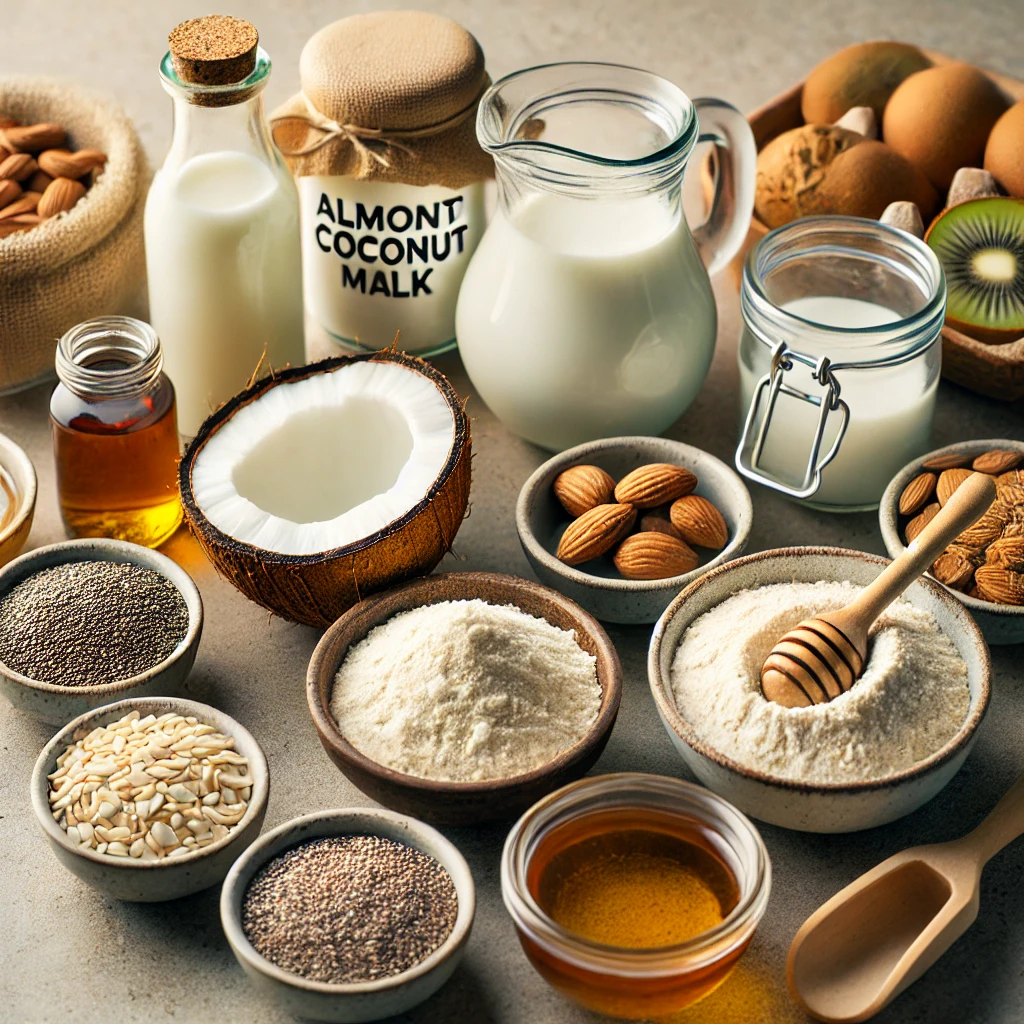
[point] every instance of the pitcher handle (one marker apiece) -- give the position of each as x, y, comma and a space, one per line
720, 236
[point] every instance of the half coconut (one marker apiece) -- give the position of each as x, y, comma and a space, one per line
312, 489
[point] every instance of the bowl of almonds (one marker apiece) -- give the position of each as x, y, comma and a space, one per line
621, 525
984, 566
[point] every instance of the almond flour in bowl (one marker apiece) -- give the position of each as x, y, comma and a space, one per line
910, 701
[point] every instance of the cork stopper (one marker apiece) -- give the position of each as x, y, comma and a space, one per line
215, 50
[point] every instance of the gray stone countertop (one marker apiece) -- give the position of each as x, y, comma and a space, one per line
66, 953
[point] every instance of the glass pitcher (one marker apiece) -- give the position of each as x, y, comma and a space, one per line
587, 310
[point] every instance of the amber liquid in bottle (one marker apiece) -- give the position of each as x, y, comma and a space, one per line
117, 465
638, 879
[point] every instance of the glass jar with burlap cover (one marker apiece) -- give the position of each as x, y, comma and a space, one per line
382, 141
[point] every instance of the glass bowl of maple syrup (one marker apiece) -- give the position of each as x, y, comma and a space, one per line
634, 895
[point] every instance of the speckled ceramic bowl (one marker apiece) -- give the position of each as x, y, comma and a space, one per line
815, 807
146, 881
56, 704
1000, 623
18, 467
541, 520
461, 803
358, 1001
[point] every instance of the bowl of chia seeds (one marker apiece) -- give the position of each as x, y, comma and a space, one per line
349, 915
91, 621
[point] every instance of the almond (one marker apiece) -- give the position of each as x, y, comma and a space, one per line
61, 163
953, 569
1002, 460
699, 522
917, 493
654, 556
14, 226
32, 138
581, 488
949, 481
60, 195
25, 203
38, 182
654, 523
18, 167
949, 461
595, 532
986, 530
655, 484
9, 191
918, 523
1004, 586
1007, 552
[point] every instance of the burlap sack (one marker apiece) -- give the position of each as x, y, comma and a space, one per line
388, 96
86, 262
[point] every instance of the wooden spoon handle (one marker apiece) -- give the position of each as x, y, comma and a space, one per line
1003, 824
966, 506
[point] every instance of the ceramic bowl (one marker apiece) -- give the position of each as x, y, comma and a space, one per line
358, 1001
541, 520
142, 881
815, 807
17, 466
461, 803
1000, 623
55, 704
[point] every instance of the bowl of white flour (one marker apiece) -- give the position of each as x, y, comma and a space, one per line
464, 697
868, 757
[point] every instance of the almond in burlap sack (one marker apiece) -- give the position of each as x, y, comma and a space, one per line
382, 140
80, 264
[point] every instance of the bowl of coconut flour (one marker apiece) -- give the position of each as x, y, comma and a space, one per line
870, 756
464, 697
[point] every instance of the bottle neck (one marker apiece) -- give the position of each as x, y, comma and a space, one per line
110, 358
218, 118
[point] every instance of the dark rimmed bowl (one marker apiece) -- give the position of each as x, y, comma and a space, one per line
142, 881
361, 1000
55, 704
1000, 623
806, 806
461, 803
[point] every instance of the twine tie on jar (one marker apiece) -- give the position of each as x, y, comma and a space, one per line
360, 137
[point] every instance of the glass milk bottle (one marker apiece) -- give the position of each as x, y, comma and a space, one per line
839, 359
222, 226
587, 310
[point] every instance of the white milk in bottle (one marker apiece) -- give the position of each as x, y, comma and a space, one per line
222, 233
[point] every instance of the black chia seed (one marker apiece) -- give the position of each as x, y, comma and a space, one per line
86, 623
349, 908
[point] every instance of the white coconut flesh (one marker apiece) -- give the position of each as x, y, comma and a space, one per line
324, 462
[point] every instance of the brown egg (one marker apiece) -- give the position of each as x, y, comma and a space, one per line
863, 75
1004, 152
940, 118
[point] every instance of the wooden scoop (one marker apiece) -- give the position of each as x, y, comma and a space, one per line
823, 657
877, 936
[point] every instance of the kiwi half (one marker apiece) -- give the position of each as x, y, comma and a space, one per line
980, 244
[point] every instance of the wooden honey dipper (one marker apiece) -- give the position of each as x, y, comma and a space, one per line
821, 658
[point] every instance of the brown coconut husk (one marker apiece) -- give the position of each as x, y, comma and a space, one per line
317, 589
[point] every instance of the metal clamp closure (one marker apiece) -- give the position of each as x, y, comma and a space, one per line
749, 453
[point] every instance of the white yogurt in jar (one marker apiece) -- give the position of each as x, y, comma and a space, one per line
891, 412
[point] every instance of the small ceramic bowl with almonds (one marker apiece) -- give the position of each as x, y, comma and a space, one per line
984, 567
621, 525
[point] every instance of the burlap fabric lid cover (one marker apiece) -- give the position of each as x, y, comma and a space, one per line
388, 96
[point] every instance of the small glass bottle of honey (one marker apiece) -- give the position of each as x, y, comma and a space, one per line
115, 434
